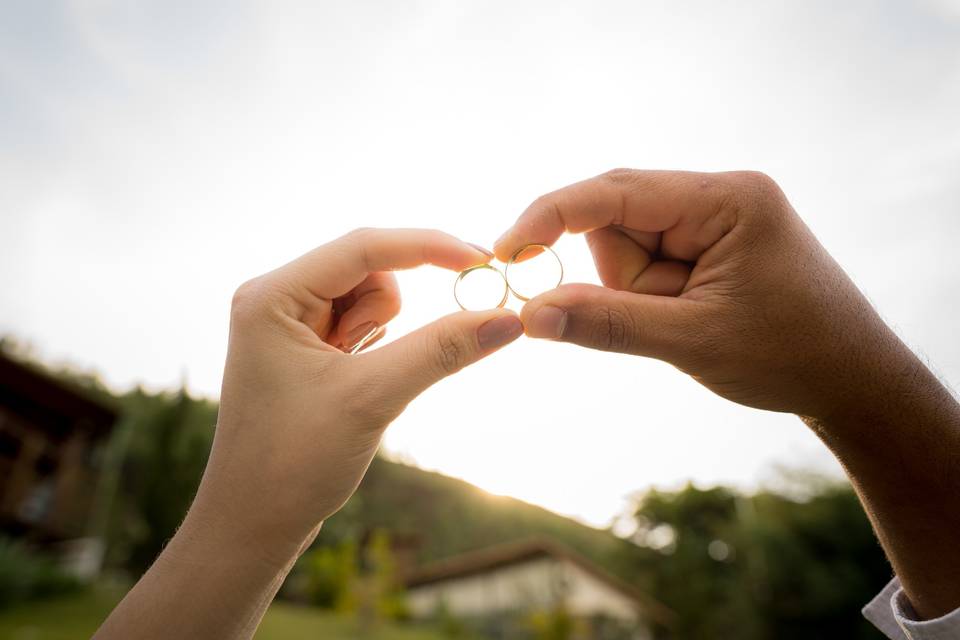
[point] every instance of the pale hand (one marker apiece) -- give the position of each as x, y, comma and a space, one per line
300, 419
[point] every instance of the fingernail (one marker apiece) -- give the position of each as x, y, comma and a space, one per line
358, 335
548, 322
368, 340
485, 252
495, 333
500, 239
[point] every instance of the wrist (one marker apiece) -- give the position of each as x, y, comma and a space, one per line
895, 403
232, 530
862, 375
897, 438
208, 538
214, 579
243, 506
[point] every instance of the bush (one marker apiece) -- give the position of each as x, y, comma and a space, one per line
552, 624
331, 574
26, 575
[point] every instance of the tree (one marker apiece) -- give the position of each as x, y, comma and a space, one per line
759, 566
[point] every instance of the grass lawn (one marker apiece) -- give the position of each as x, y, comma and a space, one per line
79, 616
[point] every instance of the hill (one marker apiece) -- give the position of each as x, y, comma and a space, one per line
447, 516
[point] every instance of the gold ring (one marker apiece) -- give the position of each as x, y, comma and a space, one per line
469, 270
513, 258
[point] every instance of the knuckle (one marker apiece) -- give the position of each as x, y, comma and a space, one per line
451, 353
359, 234
247, 298
758, 186
545, 201
357, 242
612, 329
620, 175
392, 304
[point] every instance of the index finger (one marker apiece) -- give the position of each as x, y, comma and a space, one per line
687, 204
334, 269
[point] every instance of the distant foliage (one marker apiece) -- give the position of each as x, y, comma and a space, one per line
553, 624
331, 576
363, 582
760, 566
26, 575
384, 588
157, 456
449, 625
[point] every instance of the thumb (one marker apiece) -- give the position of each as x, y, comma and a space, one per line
419, 359
610, 320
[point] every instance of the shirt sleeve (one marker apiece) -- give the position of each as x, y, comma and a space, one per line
891, 613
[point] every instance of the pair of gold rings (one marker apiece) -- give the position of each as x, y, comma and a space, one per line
508, 288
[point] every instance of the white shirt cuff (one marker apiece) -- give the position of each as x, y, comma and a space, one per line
891, 613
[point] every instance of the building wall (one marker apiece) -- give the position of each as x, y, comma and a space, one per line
527, 585
535, 584
587, 595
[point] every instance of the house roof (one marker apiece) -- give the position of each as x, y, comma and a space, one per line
51, 404
502, 555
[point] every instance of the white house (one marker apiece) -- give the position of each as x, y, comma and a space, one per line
530, 576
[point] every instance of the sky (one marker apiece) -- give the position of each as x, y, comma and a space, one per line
156, 154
